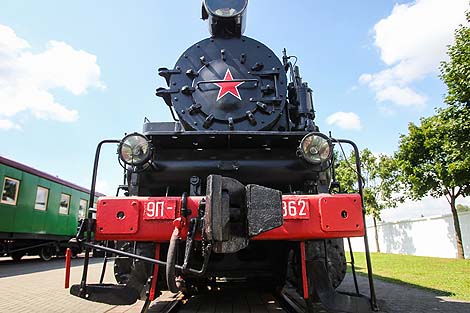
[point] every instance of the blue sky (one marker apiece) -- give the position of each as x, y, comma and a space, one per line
75, 72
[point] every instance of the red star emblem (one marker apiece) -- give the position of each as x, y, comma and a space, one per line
228, 86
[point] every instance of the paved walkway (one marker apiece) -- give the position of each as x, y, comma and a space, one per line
32, 285
35, 286
394, 298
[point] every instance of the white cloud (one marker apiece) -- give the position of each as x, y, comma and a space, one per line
345, 120
9, 42
412, 42
7, 124
403, 96
27, 79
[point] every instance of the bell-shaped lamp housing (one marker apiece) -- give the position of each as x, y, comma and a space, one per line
227, 18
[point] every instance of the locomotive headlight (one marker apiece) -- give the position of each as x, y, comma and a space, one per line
225, 8
315, 148
227, 18
135, 149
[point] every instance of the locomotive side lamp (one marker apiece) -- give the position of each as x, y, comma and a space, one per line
135, 149
315, 148
227, 18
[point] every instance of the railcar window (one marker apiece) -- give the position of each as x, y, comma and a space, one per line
82, 208
10, 190
64, 204
41, 198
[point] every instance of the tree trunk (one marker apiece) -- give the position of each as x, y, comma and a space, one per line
376, 235
458, 233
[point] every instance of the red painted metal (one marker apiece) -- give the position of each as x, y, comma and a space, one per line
153, 287
336, 216
68, 256
124, 214
295, 209
304, 270
329, 216
164, 209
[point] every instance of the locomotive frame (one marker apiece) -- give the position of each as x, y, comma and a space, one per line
246, 133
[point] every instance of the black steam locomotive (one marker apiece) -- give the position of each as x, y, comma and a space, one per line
238, 186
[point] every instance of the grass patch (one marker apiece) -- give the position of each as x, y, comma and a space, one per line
449, 277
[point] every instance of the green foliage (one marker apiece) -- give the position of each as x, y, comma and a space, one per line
445, 277
455, 73
379, 180
463, 208
434, 157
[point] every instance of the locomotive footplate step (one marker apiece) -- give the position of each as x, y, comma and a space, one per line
107, 293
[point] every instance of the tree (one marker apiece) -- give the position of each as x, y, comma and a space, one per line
455, 73
434, 156
379, 176
463, 208
434, 159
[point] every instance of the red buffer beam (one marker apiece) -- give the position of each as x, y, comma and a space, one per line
306, 217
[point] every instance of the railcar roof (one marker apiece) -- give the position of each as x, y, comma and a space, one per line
33, 171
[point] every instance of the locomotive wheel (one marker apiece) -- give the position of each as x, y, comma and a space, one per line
336, 259
133, 273
123, 265
316, 250
46, 253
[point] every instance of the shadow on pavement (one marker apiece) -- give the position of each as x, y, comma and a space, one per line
437, 292
9, 268
397, 297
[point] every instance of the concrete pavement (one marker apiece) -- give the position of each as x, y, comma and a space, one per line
32, 285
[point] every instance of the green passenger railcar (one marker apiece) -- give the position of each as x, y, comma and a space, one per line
39, 213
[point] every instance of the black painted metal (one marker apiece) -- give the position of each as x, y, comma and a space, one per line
106, 293
332, 299
225, 26
301, 109
90, 211
95, 171
105, 262
143, 258
353, 266
373, 298
240, 155
239, 122
196, 97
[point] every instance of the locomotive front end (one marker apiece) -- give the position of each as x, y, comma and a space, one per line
238, 186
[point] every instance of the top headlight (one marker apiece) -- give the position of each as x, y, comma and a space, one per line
135, 149
315, 148
225, 8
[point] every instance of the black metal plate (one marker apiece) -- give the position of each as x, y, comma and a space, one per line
264, 140
201, 104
